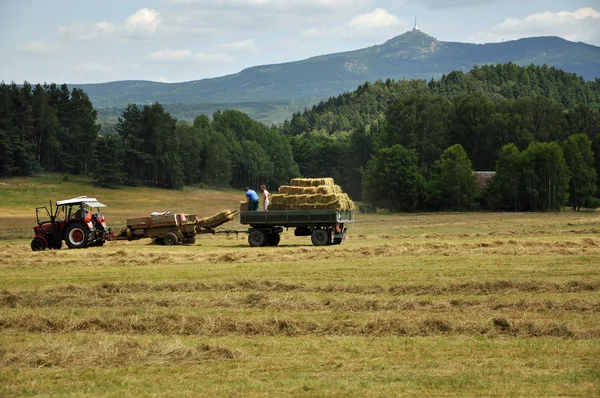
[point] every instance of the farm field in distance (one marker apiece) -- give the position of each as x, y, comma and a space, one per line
427, 304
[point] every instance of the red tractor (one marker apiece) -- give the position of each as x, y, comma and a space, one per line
72, 220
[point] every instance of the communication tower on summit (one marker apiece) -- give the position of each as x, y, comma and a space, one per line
416, 28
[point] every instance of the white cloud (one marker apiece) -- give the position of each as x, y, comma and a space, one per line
440, 4
142, 24
314, 33
188, 56
579, 25
377, 24
40, 47
280, 5
378, 18
244, 45
258, 15
103, 28
144, 20
212, 58
171, 55
95, 67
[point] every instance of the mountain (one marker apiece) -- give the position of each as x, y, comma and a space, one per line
411, 55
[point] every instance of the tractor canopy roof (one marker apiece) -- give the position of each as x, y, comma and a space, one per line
91, 202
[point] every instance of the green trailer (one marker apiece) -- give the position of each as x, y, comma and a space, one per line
325, 227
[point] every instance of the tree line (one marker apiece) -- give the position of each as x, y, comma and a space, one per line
230, 149
45, 128
405, 145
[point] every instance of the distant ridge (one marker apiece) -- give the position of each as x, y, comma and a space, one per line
411, 55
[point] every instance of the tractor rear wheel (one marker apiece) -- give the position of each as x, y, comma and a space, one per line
170, 239
38, 244
77, 236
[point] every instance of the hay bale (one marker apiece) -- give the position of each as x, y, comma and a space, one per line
333, 201
311, 182
311, 194
292, 190
217, 219
329, 189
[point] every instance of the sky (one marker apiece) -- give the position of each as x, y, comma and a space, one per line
95, 41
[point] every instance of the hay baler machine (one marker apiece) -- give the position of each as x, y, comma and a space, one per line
77, 221
170, 229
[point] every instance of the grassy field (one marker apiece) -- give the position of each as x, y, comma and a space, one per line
450, 304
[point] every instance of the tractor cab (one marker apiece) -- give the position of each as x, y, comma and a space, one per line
78, 221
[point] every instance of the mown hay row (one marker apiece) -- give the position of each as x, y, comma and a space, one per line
311, 182
297, 302
112, 353
13, 299
186, 325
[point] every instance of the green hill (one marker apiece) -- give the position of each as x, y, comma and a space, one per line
270, 93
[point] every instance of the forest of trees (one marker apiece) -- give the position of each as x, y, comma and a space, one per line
406, 145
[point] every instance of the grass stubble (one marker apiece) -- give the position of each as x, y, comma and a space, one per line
418, 304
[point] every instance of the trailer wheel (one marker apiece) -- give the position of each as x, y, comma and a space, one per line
319, 237
170, 239
256, 238
77, 236
273, 239
189, 240
38, 244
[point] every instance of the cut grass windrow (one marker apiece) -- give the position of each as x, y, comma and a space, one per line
471, 288
209, 326
114, 352
115, 255
274, 301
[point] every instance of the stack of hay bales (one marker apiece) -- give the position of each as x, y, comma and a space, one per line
311, 194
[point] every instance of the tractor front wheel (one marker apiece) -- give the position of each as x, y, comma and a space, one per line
38, 244
77, 236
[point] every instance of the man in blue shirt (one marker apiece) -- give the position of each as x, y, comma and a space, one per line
252, 199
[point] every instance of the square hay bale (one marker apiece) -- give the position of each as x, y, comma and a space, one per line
292, 190
244, 205
311, 182
217, 219
328, 197
329, 189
